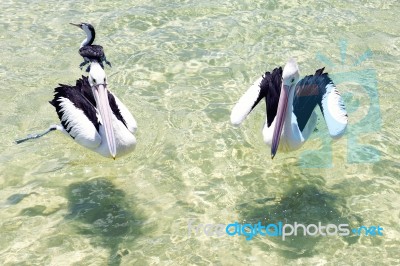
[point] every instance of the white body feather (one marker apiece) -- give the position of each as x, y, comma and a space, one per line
82, 130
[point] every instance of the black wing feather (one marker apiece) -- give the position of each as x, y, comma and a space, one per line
115, 109
93, 52
82, 97
78, 96
271, 85
308, 94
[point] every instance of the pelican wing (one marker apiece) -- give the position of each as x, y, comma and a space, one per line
268, 87
319, 89
77, 114
122, 113
246, 103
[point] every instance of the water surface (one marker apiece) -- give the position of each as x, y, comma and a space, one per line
180, 66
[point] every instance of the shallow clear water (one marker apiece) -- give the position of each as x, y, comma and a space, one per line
180, 66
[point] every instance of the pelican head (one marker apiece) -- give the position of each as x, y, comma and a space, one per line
290, 77
90, 33
98, 84
290, 74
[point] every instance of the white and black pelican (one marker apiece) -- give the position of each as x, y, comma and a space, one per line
88, 50
290, 105
93, 116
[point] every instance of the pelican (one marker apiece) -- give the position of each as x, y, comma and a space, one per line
93, 116
88, 50
290, 104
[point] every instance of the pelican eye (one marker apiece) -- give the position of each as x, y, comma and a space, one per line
94, 80
292, 80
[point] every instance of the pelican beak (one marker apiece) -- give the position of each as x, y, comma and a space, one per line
101, 96
280, 118
78, 25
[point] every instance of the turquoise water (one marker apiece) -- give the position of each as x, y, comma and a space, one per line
180, 66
